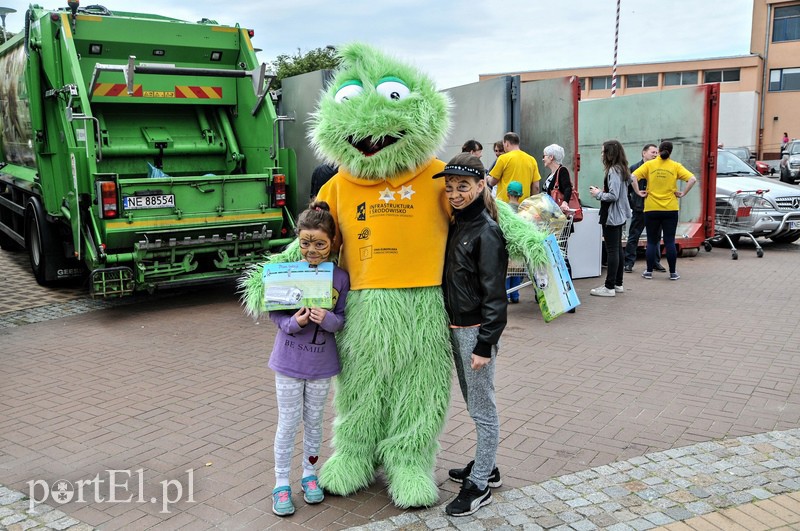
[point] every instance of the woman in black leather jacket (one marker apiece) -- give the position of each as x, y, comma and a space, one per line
475, 298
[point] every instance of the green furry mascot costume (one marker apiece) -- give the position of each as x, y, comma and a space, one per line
382, 121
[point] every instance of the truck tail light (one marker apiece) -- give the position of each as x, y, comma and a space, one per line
279, 190
108, 199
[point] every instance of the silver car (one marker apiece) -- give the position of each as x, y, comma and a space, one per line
793, 150
775, 215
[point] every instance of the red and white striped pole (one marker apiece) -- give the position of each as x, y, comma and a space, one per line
614, 68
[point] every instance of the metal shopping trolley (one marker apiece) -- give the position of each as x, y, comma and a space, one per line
734, 220
560, 228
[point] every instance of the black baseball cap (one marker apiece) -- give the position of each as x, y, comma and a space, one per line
463, 164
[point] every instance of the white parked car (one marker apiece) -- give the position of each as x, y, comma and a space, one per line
775, 215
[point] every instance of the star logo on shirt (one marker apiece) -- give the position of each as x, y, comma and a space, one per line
406, 192
387, 195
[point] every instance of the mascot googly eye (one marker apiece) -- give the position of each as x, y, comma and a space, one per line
392, 88
349, 90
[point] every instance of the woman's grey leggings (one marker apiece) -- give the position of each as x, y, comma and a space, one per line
477, 388
298, 399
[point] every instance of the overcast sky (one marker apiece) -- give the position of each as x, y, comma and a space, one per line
456, 40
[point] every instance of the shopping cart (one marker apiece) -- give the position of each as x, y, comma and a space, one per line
734, 220
561, 229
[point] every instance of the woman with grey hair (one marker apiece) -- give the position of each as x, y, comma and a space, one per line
559, 175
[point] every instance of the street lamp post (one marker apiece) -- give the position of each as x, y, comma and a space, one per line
3, 12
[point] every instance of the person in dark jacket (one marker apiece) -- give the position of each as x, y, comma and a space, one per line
649, 152
320, 176
473, 286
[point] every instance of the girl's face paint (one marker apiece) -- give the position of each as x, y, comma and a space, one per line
315, 246
462, 191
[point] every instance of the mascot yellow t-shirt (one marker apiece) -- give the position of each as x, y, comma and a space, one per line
396, 227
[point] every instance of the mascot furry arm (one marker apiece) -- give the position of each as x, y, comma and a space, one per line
382, 122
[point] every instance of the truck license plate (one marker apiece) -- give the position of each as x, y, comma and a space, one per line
134, 202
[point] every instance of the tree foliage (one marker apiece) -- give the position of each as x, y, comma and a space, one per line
300, 63
5, 37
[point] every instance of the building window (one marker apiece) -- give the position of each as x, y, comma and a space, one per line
601, 83
784, 79
721, 76
786, 26
641, 80
582, 83
680, 78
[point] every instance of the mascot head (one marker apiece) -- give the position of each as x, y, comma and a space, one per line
379, 117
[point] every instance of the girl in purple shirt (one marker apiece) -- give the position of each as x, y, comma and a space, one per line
304, 359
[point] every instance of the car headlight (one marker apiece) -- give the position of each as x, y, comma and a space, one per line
762, 203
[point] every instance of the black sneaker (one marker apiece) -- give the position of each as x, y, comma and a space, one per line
460, 474
469, 500
658, 267
628, 269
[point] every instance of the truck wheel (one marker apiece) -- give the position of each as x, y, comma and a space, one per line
39, 240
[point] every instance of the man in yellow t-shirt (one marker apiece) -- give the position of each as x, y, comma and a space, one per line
514, 165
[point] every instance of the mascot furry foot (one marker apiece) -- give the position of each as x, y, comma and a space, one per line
345, 474
411, 486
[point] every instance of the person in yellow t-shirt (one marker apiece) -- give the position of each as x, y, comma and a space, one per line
514, 165
661, 204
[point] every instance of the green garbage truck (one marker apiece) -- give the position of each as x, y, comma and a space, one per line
139, 151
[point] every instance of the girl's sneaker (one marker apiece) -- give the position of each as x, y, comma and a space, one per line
312, 492
647, 274
282, 501
674, 276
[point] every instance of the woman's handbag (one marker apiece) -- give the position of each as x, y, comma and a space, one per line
574, 203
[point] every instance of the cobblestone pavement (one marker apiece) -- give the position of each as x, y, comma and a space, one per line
645, 492
673, 402
19, 290
23, 301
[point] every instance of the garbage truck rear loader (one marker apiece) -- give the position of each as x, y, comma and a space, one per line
141, 149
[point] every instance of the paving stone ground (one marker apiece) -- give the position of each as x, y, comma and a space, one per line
677, 401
